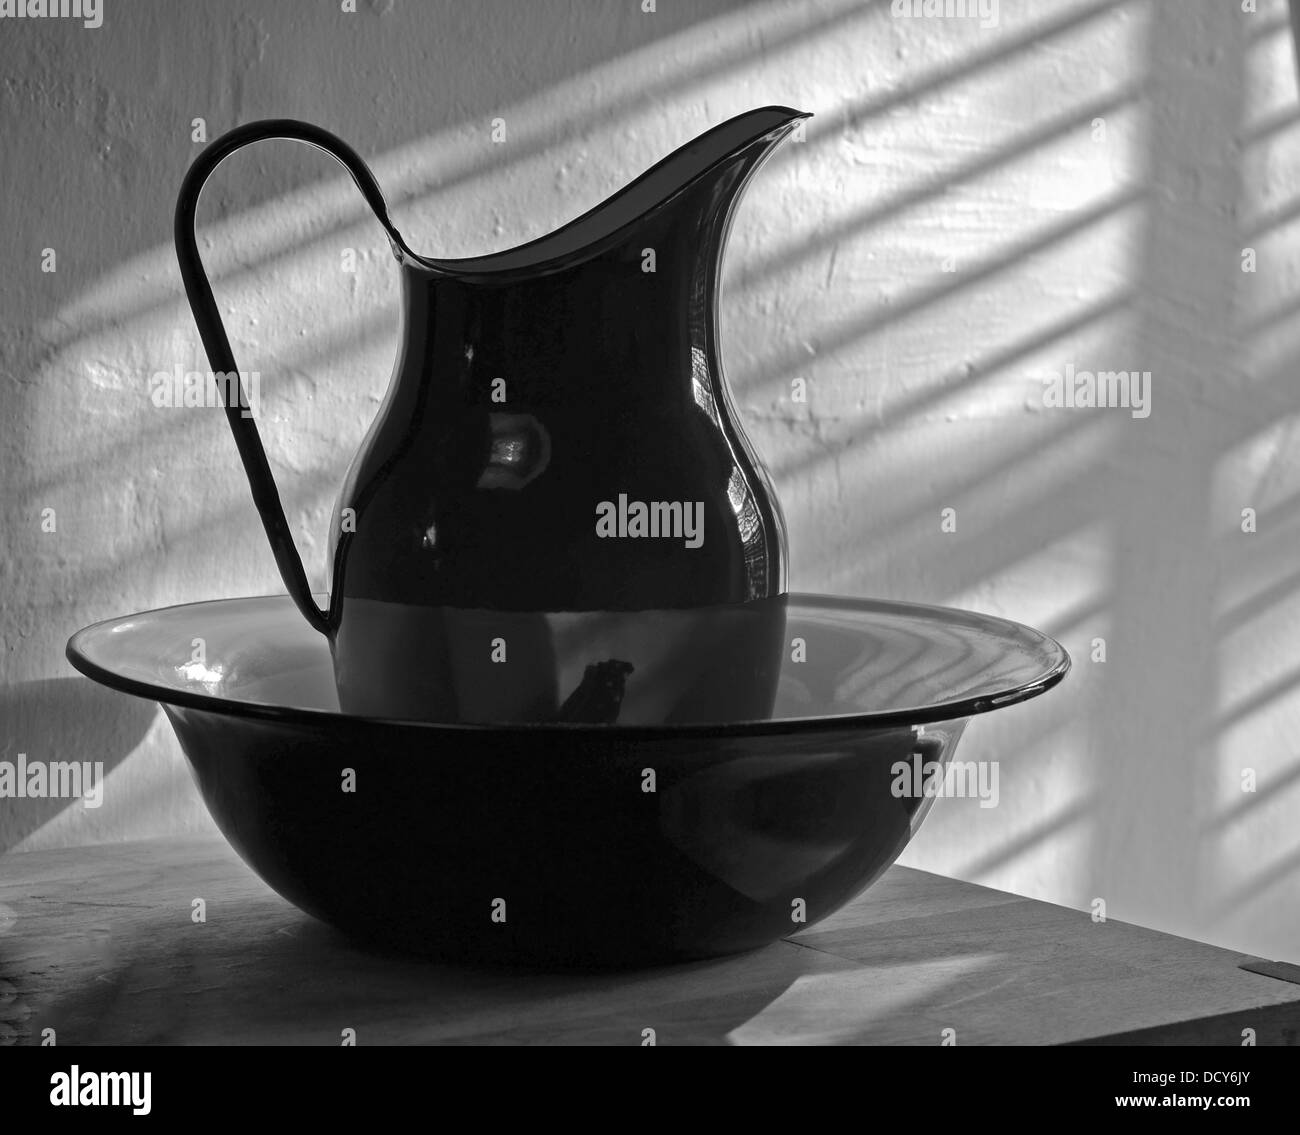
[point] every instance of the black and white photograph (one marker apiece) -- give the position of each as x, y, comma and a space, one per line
649, 522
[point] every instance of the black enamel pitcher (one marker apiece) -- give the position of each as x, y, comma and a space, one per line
555, 515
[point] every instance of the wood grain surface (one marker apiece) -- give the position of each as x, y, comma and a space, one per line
99, 944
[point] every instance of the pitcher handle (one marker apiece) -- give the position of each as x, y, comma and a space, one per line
199, 293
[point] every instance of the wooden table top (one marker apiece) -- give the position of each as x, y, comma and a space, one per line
100, 944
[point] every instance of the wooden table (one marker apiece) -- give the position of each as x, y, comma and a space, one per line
100, 944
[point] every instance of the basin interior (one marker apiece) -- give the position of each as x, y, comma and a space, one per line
844, 659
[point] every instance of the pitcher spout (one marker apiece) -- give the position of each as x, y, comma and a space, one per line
703, 177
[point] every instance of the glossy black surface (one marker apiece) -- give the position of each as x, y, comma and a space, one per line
557, 437
610, 388
594, 871
647, 667
536, 383
746, 818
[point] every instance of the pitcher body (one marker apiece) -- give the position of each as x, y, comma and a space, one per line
556, 514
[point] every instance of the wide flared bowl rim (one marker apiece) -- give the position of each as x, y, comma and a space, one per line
1055, 665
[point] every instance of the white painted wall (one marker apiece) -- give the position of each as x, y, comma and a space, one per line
1089, 171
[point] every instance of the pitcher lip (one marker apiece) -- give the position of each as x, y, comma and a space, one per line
777, 118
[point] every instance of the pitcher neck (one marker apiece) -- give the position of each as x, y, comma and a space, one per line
707, 175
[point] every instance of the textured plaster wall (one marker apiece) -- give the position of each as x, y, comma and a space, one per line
973, 208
